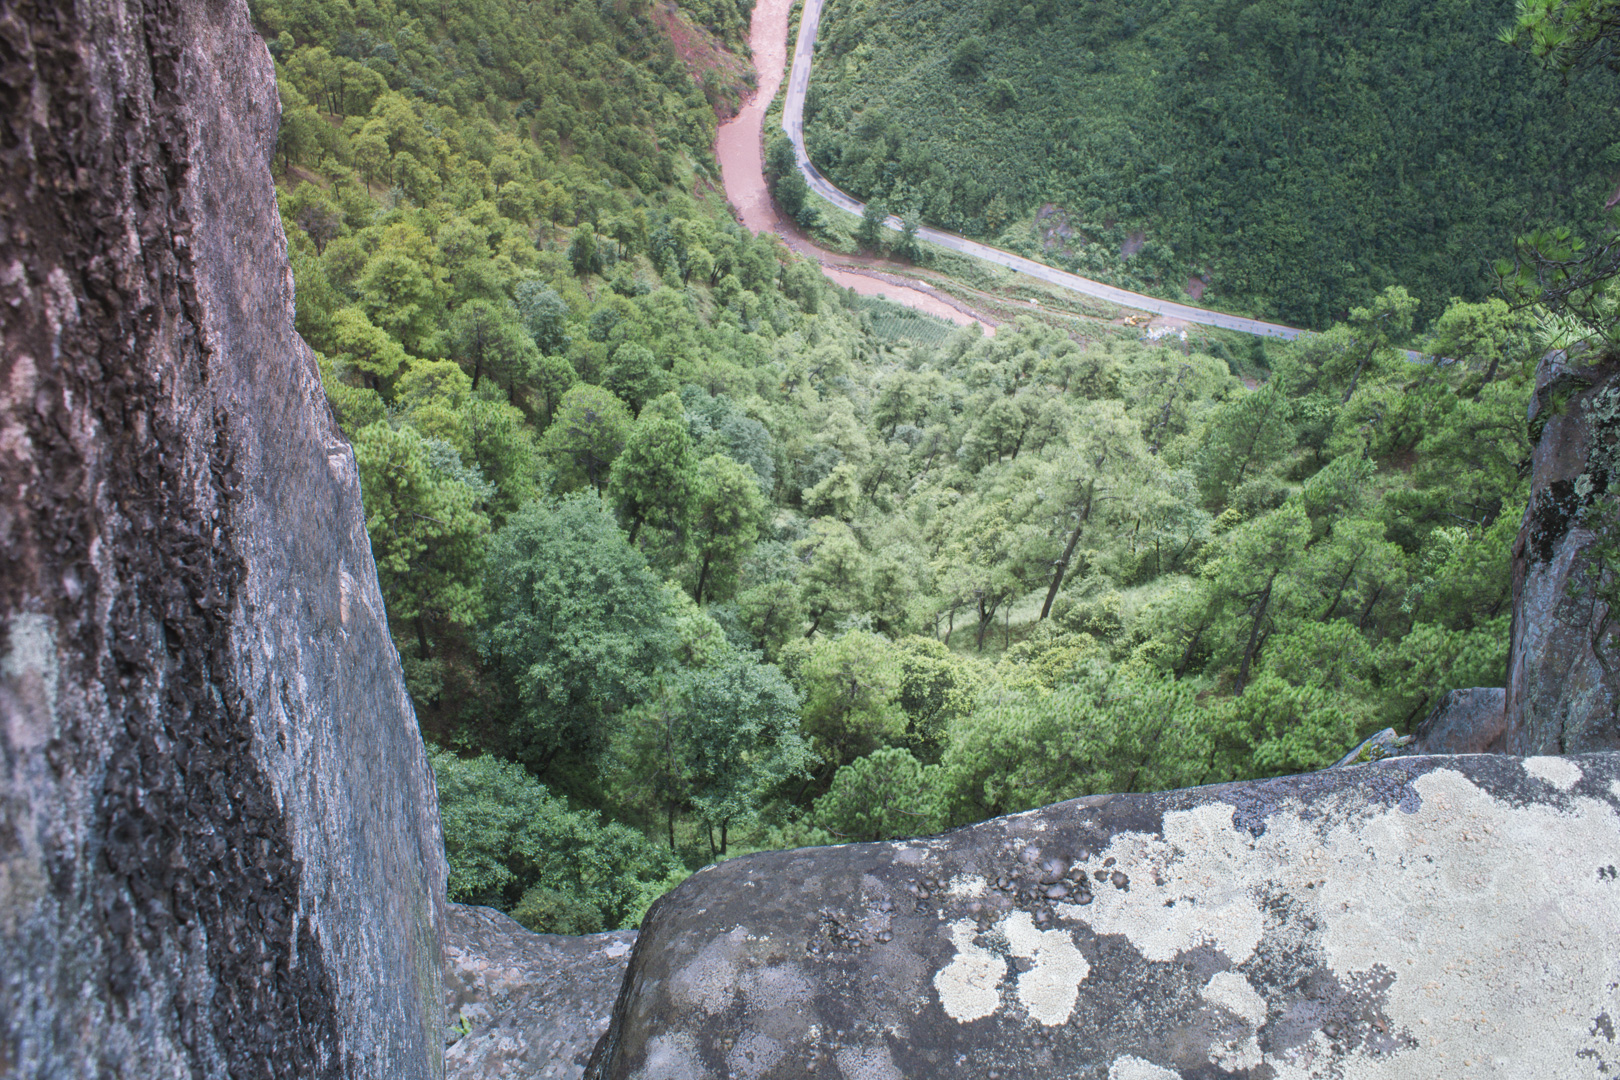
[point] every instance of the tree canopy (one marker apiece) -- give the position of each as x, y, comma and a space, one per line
1282, 158
689, 552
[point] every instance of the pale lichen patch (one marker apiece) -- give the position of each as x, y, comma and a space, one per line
754, 1055
1180, 891
1232, 992
781, 986
909, 853
1464, 915
31, 664
710, 981
1134, 1068
970, 985
1561, 773
967, 887
867, 1063
671, 1057
1049, 989
1487, 913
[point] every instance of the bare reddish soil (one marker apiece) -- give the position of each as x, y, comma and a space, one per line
706, 59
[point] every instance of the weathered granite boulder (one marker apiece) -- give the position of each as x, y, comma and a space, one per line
1563, 693
521, 1004
1418, 917
219, 846
1472, 721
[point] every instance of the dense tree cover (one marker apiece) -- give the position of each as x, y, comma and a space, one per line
512, 844
1299, 156
687, 553
1568, 268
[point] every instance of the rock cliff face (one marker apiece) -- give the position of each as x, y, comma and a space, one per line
219, 849
1419, 917
1563, 693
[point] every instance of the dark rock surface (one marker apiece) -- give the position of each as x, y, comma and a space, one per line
219, 849
1563, 694
1472, 721
521, 1004
1418, 917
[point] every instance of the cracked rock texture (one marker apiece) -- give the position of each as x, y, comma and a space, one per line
1563, 693
1415, 917
219, 843
521, 1004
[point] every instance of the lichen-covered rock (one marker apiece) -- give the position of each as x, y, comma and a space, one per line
1376, 747
1563, 693
1418, 917
521, 1004
219, 848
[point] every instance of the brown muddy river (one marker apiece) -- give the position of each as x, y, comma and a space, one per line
739, 146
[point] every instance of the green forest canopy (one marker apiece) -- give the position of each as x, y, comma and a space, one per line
686, 551
1302, 156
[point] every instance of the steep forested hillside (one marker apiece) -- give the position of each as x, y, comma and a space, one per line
1298, 156
688, 552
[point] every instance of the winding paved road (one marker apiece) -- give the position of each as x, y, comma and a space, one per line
793, 124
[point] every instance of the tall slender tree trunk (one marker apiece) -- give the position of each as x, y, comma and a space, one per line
724, 825
1254, 438
421, 638
1366, 612
986, 618
703, 575
1187, 653
1068, 552
1260, 607
1339, 595
1163, 423
1356, 377
671, 819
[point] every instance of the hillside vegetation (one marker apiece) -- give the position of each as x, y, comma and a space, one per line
687, 552
1300, 156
